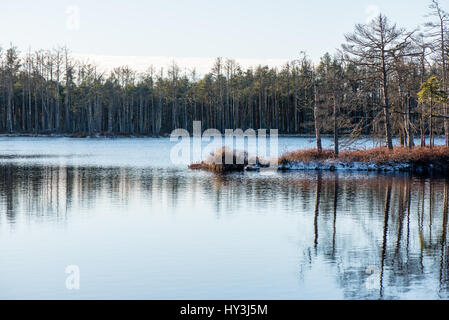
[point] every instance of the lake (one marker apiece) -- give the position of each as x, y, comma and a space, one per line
140, 227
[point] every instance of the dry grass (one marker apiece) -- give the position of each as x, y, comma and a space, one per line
307, 155
439, 155
217, 161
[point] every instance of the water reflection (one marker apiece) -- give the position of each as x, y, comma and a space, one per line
406, 228
394, 226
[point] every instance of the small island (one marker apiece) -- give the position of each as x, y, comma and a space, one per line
417, 160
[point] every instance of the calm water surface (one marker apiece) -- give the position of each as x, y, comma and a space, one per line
140, 227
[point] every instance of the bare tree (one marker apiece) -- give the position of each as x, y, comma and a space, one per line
374, 46
438, 32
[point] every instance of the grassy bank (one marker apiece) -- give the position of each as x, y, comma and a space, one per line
381, 159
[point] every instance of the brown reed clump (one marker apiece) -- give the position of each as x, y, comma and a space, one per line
419, 156
217, 161
307, 155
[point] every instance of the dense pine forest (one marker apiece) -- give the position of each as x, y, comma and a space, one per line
384, 81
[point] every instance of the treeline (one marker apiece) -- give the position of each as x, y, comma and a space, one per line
383, 81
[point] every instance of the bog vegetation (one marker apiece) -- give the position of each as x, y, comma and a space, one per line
384, 81
419, 156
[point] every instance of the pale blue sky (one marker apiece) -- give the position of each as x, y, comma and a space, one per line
195, 28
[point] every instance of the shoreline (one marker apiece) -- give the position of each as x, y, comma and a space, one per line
116, 135
78, 135
364, 167
97, 135
418, 160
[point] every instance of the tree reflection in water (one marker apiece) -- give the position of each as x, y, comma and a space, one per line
396, 223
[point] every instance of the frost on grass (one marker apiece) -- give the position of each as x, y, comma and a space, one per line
377, 159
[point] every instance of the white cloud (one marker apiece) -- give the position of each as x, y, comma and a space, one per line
371, 12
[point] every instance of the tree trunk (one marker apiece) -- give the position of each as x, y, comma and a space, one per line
388, 135
317, 126
336, 146
423, 126
411, 136
444, 82
431, 125
9, 116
